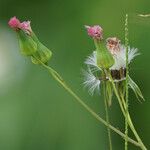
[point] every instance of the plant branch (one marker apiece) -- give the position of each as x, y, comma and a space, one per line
59, 79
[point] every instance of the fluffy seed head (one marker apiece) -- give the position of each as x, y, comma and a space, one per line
91, 81
120, 59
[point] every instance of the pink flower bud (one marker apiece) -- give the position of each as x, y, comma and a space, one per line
26, 26
14, 23
95, 31
113, 45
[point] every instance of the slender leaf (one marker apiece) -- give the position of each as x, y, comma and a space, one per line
136, 89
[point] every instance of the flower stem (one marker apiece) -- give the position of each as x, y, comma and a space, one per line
132, 126
126, 114
107, 116
127, 73
59, 79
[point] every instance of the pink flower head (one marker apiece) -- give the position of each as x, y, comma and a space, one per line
14, 23
26, 26
95, 31
113, 44
17, 25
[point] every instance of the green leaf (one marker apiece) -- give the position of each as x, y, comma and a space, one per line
136, 89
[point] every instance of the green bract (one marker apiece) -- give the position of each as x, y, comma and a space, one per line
43, 54
104, 57
27, 45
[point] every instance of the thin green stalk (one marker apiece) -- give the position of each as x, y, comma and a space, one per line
127, 73
126, 114
59, 79
131, 124
107, 116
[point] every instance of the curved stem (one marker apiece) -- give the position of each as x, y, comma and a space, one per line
59, 79
107, 116
126, 113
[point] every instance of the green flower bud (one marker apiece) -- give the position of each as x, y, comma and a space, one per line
104, 58
43, 54
27, 45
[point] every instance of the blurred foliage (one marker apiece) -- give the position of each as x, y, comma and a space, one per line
36, 113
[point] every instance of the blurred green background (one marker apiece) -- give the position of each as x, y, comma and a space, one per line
35, 112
